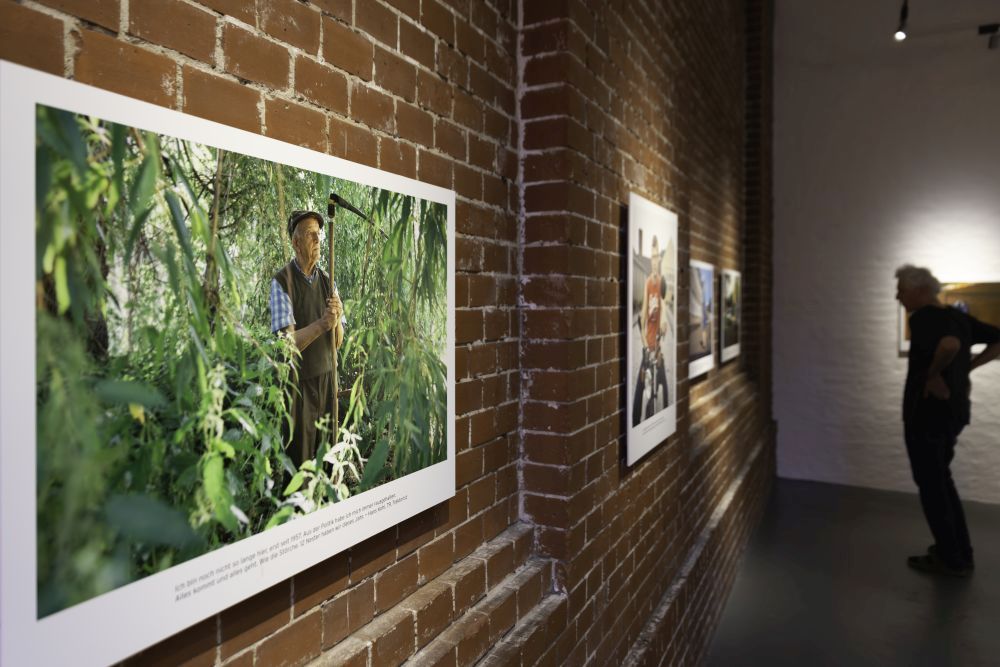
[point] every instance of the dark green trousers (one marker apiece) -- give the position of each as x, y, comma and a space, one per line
315, 399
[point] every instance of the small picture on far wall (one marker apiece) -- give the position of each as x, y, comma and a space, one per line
732, 305
701, 322
981, 300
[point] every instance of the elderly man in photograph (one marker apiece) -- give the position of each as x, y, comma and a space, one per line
936, 407
305, 306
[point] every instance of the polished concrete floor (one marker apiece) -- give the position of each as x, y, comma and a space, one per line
824, 582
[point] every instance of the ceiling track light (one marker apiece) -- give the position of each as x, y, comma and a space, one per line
993, 30
904, 13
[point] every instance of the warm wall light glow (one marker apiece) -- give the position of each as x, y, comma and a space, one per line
900, 35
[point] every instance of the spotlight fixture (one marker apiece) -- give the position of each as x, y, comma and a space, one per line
904, 11
993, 30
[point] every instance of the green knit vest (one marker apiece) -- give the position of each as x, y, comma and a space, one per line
308, 305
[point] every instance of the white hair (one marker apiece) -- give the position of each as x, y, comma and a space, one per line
916, 277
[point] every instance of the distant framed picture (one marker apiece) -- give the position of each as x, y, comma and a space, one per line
981, 300
701, 319
732, 309
159, 268
652, 326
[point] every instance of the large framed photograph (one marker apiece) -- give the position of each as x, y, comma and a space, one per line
732, 308
242, 354
701, 321
652, 326
981, 300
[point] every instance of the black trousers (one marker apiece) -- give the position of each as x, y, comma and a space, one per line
649, 360
930, 444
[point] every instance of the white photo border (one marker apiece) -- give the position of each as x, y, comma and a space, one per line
112, 626
641, 439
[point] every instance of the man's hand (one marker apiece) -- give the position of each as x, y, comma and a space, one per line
334, 311
937, 387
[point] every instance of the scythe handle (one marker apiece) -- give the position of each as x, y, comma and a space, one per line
331, 211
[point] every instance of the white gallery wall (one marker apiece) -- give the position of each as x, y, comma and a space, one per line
884, 153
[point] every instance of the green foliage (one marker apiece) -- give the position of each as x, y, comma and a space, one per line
164, 400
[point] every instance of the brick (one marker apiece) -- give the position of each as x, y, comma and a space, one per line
253, 619
353, 142
468, 464
434, 169
468, 536
482, 494
349, 653
433, 93
414, 125
450, 139
220, 99
468, 111
435, 557
378, 21
31, 38
176, 25
391, 636
482, 153
347, 49
416, 44
291, 22
320, 583
499, 565
336, 623
432, 607
438, 19
470, 586
395, 582
104, 13
468, 40
294, 644
502, 614
373, 554
395, 74
373, 108
321, 85
397, 157
416, 531
360, 605
239, 9
453, 66
475, 639
409, 7
251, 57
107, 63
295, 124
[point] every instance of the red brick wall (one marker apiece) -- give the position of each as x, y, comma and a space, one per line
552, 549
653, 98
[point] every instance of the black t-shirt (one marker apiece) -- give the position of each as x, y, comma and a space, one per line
928, 326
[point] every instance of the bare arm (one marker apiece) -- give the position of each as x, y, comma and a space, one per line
989, 354
305, 337
946, 350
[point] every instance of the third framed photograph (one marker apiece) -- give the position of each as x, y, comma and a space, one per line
701, 319
732, 306
652, 326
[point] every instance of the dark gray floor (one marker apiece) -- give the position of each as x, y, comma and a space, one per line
824, 582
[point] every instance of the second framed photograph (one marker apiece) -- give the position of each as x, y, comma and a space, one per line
652, 326
701, 325
732, 306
